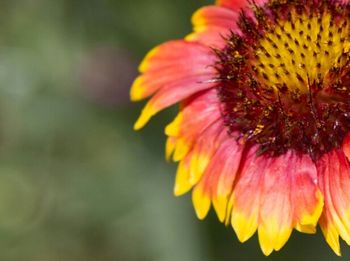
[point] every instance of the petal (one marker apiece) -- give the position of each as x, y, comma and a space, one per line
179, 74
235, 5
222, 170
307, 198
203, 151
193, 165
346, 146
172, 94
245, 201
169, 147
169, 62
214, 16
306, 195
334, 175
238, 4
196, 115
276, 214
182, 181
212, 37
176, 52
175, 71
330, 231
211, 24
274, 195
290, 198
201, 201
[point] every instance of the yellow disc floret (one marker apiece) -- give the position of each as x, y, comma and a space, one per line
286, 78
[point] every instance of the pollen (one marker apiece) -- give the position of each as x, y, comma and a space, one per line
285, 81
302, 50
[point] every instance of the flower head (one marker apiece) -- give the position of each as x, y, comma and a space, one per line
262, 133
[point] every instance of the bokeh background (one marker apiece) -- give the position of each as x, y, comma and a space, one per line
76, 182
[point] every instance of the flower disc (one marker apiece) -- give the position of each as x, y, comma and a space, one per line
286, 77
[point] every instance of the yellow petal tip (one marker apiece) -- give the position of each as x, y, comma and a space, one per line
173, 128
266, 244
191, 37
181, 150
220, 206
145, 116
244, 225
144, 64
169, 148
332, 238
136, 91
307, 229
201, 203
180, 191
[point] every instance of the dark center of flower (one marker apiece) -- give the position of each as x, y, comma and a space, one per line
285, 80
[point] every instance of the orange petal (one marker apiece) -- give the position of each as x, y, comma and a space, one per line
274, 195
182, 181
172, 94
170, 147
233, 4
246, 196
203, 150
211, 36
276, 213
211, 23
222, 169
290, 198
201, 201
306, 195
334, 175
197, 114
193, 164
236, 5
176, 52
172, 71
178, 74
346, 146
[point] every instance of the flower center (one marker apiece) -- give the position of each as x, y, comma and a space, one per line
285, 79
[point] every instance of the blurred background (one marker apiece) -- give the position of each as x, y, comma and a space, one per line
76, 182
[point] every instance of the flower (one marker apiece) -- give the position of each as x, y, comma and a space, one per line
262, 133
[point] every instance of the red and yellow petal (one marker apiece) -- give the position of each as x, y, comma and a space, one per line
290, 199
276, 209
183, 174
218, 171
346, 146
197, 158
214, 16
307, 197
211, 24
273, 196
172, 72
186, 128
169, 62
222, 170
237, 4
232, 4
202, 179
246, 196
201, 200
334, 176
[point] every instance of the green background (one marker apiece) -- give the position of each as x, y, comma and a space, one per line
76, 182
